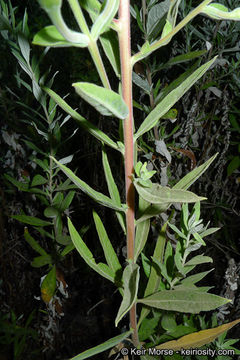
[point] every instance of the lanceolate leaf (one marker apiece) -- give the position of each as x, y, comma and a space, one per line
102, 347
130, 289
112, 187
33, 243
48, 286
104, 19
197, 339
95, 195
87, 256
158, 194
141, 237
192, 279
106, 101
191, 177
164, 105
110, 255
92, 129
199, 259
184, 301
110, 46
31, 220
50, 36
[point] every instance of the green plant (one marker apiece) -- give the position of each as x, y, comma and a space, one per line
177, 292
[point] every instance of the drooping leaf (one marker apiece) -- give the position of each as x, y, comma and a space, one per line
102, 347
184, 301
33, 243
106, 101
110, 255
197, 339
87, 255
130, 289
104, 19
95, 195
221, 12
48, 285
50, 36
166, 104
31, 220
158, 194
92, 129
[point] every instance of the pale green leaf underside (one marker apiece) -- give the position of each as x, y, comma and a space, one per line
130, 289
50, 36
87, 255
106, 101
92, 129
104, 19
103, 347
184, 301
164, 105
158, 194
220, 12
95, 195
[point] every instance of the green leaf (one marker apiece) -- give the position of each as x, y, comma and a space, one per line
92, 129
110, 255
142, 231
191, 177
38, 180
155, 15
147, 328
106, 101
158, 194
221, 12
95, 195
154, 279
110, 46
50, 36
112, 187
51, 212
104, 19
48, 286
199, 259
87, 256
20, 185
166, 104
193, 279
130, 289
33, 243
67, 201
102, 347
209, 232
40, 261
184, 301
233, 165
31, 220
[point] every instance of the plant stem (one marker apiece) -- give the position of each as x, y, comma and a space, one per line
126, 73
92, 46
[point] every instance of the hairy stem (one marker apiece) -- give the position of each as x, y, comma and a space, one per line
126, 72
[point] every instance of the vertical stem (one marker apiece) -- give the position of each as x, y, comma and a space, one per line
126, 72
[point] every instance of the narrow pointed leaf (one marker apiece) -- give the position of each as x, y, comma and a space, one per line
106, 101
197, 339
87, 255
199, 259
193, 279
191, 177
48, 285
112, 187
103, 347
154, 279
40, 261
92, 129
110, 255
104, 19
141, 237
221, 12
110, 46
184, 301
31, 220
33, 243
50, 36
95, 195
166, 104
158, 194
130, 289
